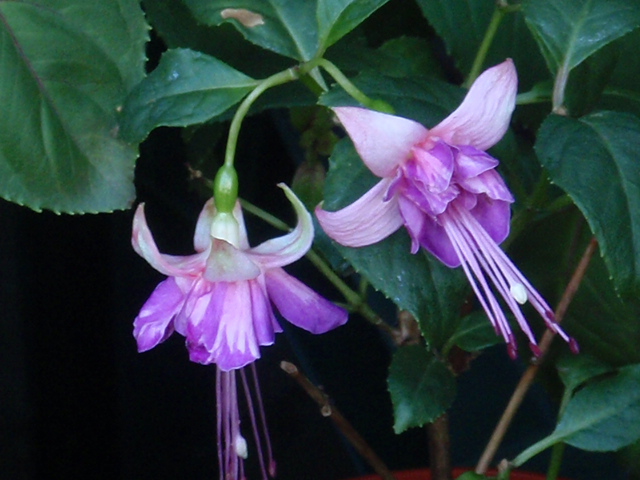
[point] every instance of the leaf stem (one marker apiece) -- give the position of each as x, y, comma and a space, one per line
530, 373
279, 78
349, 87
499, 13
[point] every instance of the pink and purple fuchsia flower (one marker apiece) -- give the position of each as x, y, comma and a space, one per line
220, 299
443, 187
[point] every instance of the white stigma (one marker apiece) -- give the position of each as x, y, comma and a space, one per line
518, 292
241, 447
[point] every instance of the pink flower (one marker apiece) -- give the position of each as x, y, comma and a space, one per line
442, 186
220, 297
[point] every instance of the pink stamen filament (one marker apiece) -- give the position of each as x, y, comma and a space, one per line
492, 251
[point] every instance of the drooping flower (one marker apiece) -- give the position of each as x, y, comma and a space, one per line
443, 187
220, 300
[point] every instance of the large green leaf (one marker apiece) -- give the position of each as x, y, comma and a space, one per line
336, 18
594, 159
569, 31
186, 88
604, 415
421, 387
66, 67
463, 23
299, 30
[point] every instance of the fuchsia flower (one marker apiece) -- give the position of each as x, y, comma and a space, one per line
442, 186
219, 298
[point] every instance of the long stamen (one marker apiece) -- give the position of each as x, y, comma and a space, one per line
263, 422
466, 254
513, 275
254, 424
219, 417
499, 278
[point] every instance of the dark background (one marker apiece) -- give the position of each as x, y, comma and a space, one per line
78, 401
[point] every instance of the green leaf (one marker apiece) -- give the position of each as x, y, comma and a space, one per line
604, 415
605, 326
425, 100
186, 88
421, 387
569, 31
419, 283
574, 370
175, 24
336, 18
401, 57
285, 27
66, 66
474, 333
463, 24
594, 159
299, 30
472, 476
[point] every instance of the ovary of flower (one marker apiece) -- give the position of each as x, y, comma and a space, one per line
443, 187
220, 297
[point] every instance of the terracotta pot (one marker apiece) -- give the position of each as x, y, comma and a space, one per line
425, 474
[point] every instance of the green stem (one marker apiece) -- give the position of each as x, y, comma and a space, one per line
353, 299
348, 86
532, 97
285, 76
556, 460
534, 450
498, 14
557, 450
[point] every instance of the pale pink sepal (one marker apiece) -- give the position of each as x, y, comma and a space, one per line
170, 265
301, 305
288, 248
483, 117
226, 263
366, 221
202, 235
382, 140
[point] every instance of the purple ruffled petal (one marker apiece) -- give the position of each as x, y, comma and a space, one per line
368, 220
265, 324
484, 115
302, 306
225, 335
494, 216
383, 141
489, 183
432, 168
471, 162
435, 240
154, 324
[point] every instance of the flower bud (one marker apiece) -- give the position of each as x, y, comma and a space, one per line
225, 189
